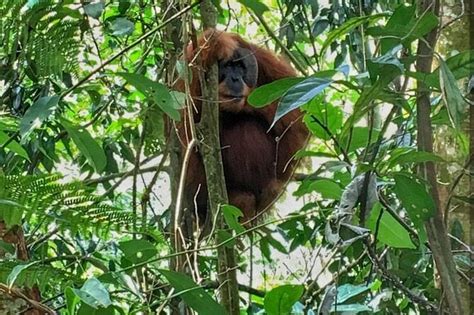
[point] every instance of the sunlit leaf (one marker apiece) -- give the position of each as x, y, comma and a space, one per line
255, 5
268, 93
280, 300
122, 27
94, 9
192, 294
452, 97
390, 231
154, 91
37, 114
93, 293
87, 145
301, 94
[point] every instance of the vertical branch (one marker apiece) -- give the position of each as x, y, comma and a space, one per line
211, 152
435, 227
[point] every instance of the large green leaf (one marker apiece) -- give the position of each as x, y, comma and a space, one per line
192, 294
87, 145
94, 9
269, 93
16, 272
461, 66
301, 94
416, 200
13, 145
138, 251
37, 114
122, 27
255, 5
93, 293
231, 217
389, 232
154, 91
452, 97
409, 155
322, 117
348, 290
280, 300
403, 27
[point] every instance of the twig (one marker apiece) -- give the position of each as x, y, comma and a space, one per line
14, 292
127, 48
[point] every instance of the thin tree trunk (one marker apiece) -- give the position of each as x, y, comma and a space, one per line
435, 227
211, 152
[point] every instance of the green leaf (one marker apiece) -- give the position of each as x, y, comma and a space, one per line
319, 27
350, 308
138, 251
71, 300
37, 114
327, 188
404, 27
359, 138
122, 27
192, 294
348, 290
451, 95
416, 200
390, 232
155, 92
94, 9
93, 293
322, 113
348, 26
255, 5
231, 217
300, 94
13, 145
387, 64
16, 272
409, 155
269, 93
87, 145
280, 300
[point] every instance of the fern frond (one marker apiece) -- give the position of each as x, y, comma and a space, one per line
69, 205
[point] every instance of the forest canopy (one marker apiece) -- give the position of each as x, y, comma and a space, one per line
374, 206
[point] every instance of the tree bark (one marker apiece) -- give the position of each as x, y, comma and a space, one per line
435, 226
210, 149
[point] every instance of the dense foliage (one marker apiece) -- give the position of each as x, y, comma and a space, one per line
85, 192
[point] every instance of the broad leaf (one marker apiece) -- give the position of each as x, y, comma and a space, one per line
255, 5
327, 188
268, 93
155, 92
409, 155
138, 250
389, 232
16, 272
416, 200
280, 300
346, 291
322, 117
87, 145
94, 9
37, 114
301, 94
13, 145
122, 27
452, 97
231, 217
192, 294
93, 293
